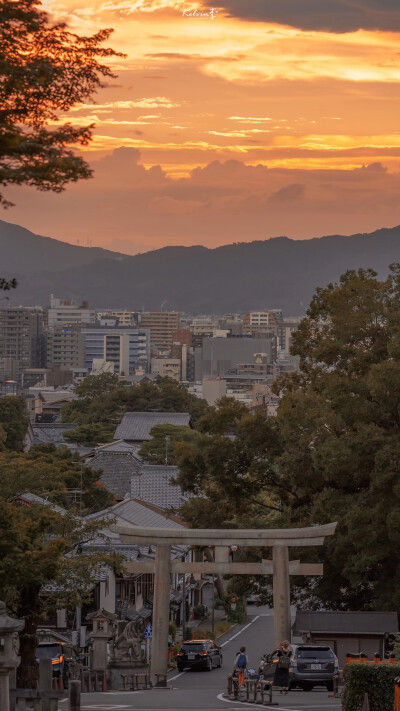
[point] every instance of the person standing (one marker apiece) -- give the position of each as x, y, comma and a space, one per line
241, 664
282, 669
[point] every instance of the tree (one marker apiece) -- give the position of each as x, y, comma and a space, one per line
108, 408
339, 420
160, 449
54, 473
39, 548
14, 421
90, 435
43, 552
228, 468
96, 387
44, 70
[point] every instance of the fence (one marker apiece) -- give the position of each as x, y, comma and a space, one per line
45, 698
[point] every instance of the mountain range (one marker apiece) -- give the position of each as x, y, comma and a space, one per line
274, 273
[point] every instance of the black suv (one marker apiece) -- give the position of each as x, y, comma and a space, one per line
313, 665
200, 654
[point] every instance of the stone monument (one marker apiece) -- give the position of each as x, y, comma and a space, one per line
9, 653
127, 653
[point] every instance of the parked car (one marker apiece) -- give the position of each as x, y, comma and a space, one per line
199, 654
62, 658
313, 665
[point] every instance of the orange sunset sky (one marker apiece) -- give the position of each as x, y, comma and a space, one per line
275, 117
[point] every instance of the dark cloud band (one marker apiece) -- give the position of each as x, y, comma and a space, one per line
322, 15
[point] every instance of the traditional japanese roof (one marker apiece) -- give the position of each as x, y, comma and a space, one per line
43, 433
136, 426
28, 499
347, 623
137, 513
118, 469
155, 485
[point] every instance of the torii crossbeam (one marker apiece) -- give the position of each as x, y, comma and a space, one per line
221, 539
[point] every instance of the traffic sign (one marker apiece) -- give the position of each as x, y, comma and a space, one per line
148, 633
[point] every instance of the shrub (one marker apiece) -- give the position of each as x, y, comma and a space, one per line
375, 679
172, 630
187, 634
200, 612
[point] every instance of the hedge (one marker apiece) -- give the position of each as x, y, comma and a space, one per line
375, 679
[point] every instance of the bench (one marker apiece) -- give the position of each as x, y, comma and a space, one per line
253, 686
136, 681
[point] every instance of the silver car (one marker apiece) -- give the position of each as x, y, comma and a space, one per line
313, 665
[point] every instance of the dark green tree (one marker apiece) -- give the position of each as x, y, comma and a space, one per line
161, 448
54, 473
40, 547
339, 421
109, 407
229, 469
14, 421
44, 71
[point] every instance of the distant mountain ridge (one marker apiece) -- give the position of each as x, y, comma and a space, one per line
275, 273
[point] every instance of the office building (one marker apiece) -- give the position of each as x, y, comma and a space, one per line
124, 347
220, 355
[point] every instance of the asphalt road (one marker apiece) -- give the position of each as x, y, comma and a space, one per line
203, 691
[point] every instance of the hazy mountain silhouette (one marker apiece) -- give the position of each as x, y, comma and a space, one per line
278, 272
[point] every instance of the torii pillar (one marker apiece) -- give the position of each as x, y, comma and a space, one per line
221, 539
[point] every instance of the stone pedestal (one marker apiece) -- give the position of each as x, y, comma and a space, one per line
9, 648
117, 667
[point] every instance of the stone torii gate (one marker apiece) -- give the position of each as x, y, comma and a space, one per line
280, 567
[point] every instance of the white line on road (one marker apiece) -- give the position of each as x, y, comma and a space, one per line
240, 632
220, 697
171, 678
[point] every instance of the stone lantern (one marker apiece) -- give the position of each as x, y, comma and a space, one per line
104, 624
9, 653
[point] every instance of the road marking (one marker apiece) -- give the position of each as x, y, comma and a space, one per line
220, 697
171, 678
240, 632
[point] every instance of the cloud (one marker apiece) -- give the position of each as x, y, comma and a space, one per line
338, 16
171, 206
222, 202
146, 103
290, 193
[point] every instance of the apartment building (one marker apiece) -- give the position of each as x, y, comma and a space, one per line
167, 367
161, 325
259, 323
66, 346
65, 311
22, 342
125, 347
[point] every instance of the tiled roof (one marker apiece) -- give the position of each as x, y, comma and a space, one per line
136, 426
29, 498
136, 514
118, 469
118, 445
346, 622
43, 433
53, 433
155, 485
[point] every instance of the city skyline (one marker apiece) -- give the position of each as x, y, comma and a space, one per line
261, 120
